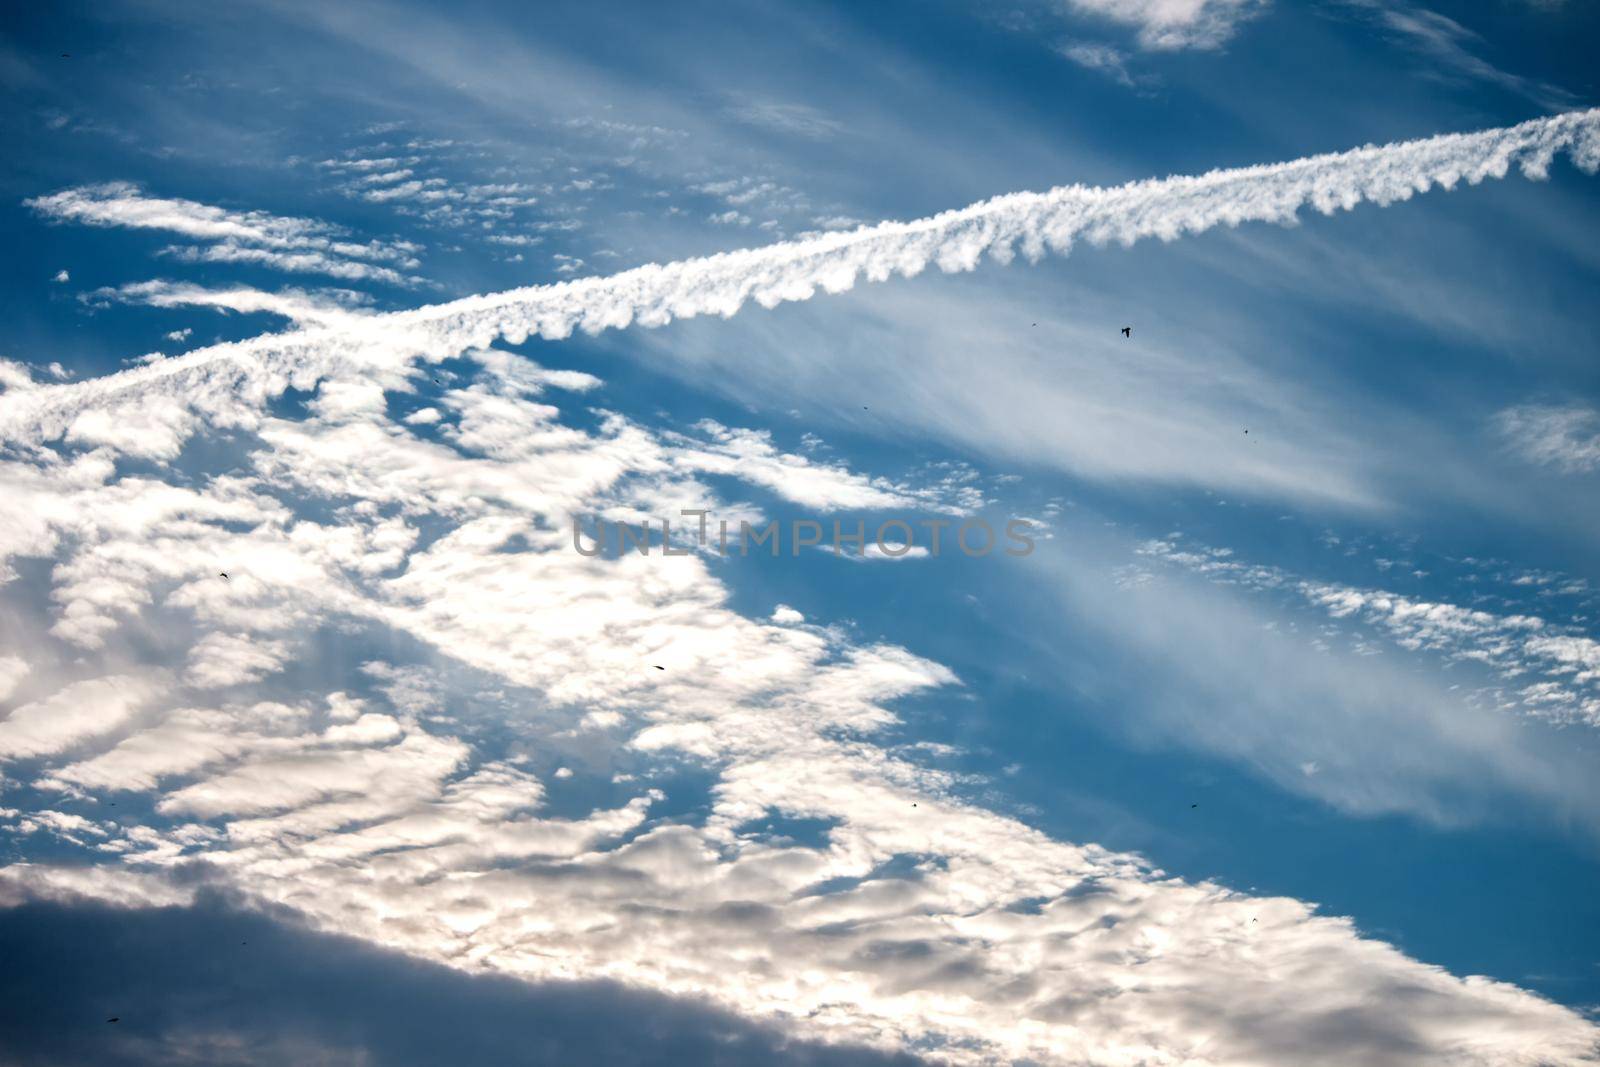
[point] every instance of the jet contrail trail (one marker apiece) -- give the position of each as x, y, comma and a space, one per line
1030, 223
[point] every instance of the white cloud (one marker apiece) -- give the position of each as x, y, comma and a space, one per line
750, 455
76, 714
423, 417
221, 660
280, 243
13, 669
1174, 24
889, 551
1387, 735
1566, 437
15, 376
380, 800
1098, 57
1451, 45
296, 305
124, 204
431, 190
1030, 223
364, 821
1556, 668
798, 120
411, 186
63, 276
291, 262
1065, 394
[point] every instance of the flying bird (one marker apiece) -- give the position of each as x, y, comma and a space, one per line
1194, 805
1127, 331
659, 667
223, 574
114, 1019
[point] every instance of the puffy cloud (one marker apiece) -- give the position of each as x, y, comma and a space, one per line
221, 660
914, 920
13, 669
79, 713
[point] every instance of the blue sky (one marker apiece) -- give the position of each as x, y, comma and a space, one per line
1279, 747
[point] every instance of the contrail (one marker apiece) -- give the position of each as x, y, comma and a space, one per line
1031, 224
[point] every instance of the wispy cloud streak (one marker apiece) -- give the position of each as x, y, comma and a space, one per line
1032, 224
1452, 46
278, 242
1553, 668
1566, 437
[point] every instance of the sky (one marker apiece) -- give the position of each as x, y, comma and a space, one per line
339, 724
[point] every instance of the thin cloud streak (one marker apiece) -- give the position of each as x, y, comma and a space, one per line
1030, 223
1450, 45
1566, 437
1553, 668
277, 242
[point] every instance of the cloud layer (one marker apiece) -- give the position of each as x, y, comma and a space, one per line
342, 663
757, 844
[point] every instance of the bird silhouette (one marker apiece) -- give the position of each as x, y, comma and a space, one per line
1127, 331
114, 1019
223, 574
1194, 805
659, 667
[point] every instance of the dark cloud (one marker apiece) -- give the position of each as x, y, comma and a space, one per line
213, 985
